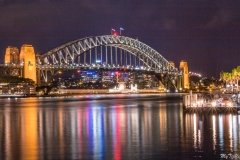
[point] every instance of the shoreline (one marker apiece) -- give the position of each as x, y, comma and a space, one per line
84, 94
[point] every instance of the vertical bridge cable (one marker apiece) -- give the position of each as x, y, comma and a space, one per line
116, 56
73, 59
90, 61
101, 54
106, 56
130, 59
135, 60
125, 57
138, 60
79, 60
121, 56
95, 54
84, 57
111, 56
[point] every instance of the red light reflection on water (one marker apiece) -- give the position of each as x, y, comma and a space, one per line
80, 130
117, 142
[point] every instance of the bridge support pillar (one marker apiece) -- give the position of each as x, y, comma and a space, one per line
11, 55
38, 77
184, 78
21, 72
161, 85
27, 57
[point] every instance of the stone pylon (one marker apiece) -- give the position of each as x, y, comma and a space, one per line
28, 58
11, 55
185, 77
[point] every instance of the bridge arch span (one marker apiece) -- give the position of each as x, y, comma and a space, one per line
68, 53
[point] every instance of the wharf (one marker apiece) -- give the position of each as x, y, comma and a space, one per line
211, 104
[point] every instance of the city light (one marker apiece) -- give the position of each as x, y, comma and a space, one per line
195, 74
214, 103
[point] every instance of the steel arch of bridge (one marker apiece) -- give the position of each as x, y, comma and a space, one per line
62, 57
69, 51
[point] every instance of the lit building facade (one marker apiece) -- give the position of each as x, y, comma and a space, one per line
17, 88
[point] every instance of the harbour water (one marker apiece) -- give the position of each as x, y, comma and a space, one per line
131, 126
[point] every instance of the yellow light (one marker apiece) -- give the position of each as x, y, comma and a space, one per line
229, 104
214, 104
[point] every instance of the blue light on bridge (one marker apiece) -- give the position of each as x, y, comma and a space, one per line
89, 72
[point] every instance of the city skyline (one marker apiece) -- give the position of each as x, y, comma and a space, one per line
204, 33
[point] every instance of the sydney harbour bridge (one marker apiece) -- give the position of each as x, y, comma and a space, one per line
108, 52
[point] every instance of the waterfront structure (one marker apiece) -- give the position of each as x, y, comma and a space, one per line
17, 89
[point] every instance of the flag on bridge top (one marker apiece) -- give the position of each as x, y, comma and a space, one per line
112, 31
121, 29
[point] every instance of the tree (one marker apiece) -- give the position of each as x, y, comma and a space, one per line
15, 79
227, 77
238, 74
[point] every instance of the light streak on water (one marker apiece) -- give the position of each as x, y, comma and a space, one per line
124, 128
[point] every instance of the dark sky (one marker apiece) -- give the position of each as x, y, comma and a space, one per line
205, 33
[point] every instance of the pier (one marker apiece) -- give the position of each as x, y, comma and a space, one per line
211, 103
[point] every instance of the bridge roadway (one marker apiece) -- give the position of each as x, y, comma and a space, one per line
127, 68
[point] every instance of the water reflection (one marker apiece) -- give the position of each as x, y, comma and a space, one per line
112, 129
29, 132
214, 132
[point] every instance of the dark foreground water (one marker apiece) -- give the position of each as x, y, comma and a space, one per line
113, 127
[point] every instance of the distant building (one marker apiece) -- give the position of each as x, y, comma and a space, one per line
17, 88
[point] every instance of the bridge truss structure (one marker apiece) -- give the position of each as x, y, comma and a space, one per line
11, 69
108, 52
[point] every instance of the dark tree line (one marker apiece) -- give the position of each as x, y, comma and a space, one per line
15, 79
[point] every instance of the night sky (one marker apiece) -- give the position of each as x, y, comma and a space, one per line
205, 33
